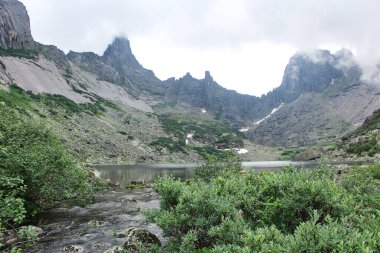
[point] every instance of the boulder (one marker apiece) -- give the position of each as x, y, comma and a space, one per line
140, 238
308, 155
112, 183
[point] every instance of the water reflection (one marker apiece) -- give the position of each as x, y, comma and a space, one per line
124, 174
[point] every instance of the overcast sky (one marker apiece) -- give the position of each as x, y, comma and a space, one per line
245, 44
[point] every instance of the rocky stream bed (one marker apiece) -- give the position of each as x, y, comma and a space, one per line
97, 227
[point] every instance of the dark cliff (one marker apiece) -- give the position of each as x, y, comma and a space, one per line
14, 26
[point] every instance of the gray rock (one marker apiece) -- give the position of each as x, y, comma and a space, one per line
308, 155
73, 249
93, 63
96, 223
117, 249
14, 26
341, 169
139, 237
135, 78
8, 237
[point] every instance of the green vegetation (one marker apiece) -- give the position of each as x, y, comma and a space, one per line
205, 152
20, 53
170, 144
35, 170
368, 146
212, 134
23, 100
289, 154
180, 125
222, 210
364, 140
165, 105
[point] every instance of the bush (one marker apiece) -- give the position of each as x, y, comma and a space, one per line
35, 169
12, 209
289, 211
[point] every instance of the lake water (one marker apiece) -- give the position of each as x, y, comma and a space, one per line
124, 174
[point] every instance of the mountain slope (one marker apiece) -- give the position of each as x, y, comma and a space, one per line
309, 120
320, 98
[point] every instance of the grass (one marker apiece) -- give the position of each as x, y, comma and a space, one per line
289, 154
20, 53
165, 105
170, 144
19, 99
179, 125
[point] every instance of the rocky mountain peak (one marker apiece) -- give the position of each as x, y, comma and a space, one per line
120, 52
14, 25
208, 76
308, 72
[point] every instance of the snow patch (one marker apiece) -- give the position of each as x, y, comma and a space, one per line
242, 151
245, 129
188, 138
273, 111
238, 150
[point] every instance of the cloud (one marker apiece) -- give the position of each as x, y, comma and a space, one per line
221, 26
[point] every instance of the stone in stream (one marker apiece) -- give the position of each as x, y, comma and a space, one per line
112, 183
139, 237
73, 249
117, 249
96, 223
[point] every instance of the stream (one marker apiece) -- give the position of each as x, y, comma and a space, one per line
93, 228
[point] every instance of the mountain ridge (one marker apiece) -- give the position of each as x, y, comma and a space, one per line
118, 76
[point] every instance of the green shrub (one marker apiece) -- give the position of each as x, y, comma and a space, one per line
289, 154
170, 144
289, 211
370, 146
215, 166
35, 169
21, 53
22, 100
12, 209
211, 133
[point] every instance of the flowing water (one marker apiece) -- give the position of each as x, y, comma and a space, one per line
119, 209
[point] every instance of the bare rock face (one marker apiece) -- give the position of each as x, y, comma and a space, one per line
93, 63
133, 76
308, 155
14, 25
